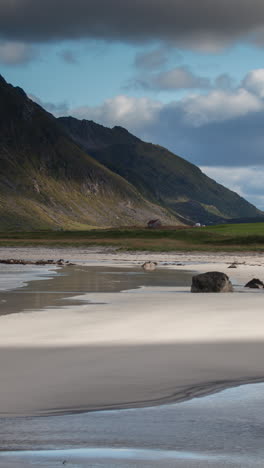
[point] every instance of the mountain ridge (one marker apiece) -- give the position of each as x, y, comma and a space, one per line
161, 176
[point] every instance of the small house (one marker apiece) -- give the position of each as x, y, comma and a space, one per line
154, 224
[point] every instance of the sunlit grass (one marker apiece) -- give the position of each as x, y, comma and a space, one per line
214, 238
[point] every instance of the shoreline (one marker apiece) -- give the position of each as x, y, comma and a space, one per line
189, 393
95, 255
186, 353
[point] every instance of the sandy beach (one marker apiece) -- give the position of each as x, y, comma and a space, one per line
134, 348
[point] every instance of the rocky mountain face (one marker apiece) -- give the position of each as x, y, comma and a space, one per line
49, 181
159, 175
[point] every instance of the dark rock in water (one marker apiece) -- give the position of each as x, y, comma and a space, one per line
255, 283
212, 281
233, 265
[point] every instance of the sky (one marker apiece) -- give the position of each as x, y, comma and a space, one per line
185, 74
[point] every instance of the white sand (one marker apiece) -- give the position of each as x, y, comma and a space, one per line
139, 346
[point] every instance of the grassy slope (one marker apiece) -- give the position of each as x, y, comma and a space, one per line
237, 237
47, 181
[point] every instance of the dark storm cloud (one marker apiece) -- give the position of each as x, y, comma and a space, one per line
207, 24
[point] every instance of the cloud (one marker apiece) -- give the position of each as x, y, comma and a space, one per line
68, 56
16, 53
247, 181
254, 82
154, 58
204, 24
225, 82
219, 105
121, 110
171, 80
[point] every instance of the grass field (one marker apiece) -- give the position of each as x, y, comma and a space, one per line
239, 237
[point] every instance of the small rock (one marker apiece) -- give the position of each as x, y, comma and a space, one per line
149, 266
255, 283
60, 261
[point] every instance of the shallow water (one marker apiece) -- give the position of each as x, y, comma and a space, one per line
71, 281
17, 276
220, 430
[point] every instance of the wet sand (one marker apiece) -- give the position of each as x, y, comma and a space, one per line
136, 348
26, 292
220, 430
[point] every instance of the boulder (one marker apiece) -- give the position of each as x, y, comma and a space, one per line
149, 266
212, 281
255, 283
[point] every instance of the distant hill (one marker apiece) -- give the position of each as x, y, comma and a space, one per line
159, 175
48, 181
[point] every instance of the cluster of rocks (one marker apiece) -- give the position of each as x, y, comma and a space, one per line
151, 266
215, 281
174, 263
12, 261
235, 264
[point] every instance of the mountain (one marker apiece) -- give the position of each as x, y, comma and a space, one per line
159, 175
71, 174
48, 181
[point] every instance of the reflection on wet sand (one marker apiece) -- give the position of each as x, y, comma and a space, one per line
76, 280
223, 430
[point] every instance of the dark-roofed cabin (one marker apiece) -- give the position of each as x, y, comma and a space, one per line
154, 224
